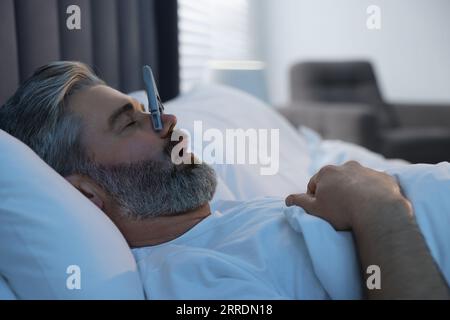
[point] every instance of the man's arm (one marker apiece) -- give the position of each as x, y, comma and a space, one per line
371, 204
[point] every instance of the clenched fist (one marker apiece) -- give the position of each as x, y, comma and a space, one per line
348, 195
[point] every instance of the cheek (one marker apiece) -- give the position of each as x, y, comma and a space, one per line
141, 149
129, 150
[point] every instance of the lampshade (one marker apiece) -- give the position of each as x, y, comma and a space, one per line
246, 75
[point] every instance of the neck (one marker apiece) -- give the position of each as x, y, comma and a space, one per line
154, 231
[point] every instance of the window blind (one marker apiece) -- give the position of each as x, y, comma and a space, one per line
211, 30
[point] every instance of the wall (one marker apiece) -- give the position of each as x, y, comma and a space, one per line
411, 52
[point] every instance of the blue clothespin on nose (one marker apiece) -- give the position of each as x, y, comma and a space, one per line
155, 106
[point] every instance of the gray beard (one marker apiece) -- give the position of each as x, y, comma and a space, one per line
156, 188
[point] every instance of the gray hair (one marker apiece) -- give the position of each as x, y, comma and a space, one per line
38, 115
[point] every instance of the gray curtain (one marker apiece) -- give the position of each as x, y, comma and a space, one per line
116, 38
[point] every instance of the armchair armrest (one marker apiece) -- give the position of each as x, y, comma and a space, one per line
417, 145
354, 123
420, 115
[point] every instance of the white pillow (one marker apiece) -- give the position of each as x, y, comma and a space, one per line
47, 226
224, 108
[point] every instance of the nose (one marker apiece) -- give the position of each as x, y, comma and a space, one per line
169, 122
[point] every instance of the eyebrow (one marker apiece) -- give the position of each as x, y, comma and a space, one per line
119, 113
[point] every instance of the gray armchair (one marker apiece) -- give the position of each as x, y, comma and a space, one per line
342, 100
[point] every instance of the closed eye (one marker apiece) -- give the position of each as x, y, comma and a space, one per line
132, 123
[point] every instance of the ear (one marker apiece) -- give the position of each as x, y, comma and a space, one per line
88, 188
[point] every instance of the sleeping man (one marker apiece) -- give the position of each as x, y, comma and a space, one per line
103, 143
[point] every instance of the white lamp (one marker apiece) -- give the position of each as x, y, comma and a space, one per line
246, 75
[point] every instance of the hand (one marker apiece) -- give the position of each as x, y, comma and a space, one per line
348, 195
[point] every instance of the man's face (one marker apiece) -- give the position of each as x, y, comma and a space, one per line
116, 130
132, 162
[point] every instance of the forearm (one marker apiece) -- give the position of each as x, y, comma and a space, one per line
391, 239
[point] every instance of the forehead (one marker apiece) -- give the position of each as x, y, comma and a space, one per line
96, 104
97, 100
